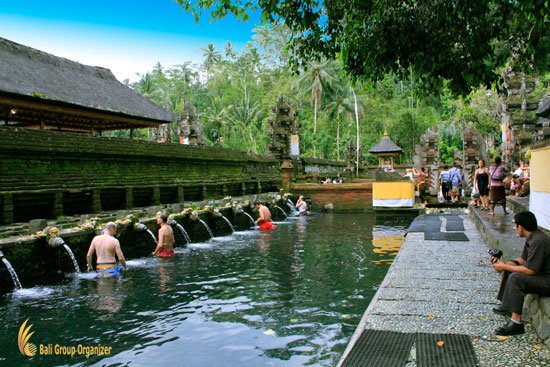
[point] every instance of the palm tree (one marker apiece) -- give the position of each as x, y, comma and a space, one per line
340, 103
318, 77
211, 58
229, 51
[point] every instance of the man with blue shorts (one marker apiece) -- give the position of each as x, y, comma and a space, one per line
106, 246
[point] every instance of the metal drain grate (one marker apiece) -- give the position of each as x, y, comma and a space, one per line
378, 348
445, 236
454, 226
457, 351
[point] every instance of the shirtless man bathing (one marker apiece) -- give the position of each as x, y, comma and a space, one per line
106, 246
165, 245
264, 220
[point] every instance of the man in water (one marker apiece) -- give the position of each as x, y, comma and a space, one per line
301, 205
106, 246
166, 238
264, 221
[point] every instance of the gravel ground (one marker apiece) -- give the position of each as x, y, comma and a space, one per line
450, 287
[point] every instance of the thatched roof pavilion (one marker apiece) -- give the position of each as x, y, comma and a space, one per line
40, 90
385, 150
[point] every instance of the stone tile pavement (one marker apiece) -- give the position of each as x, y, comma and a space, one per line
449, 287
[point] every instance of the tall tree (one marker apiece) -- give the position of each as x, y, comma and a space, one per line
211, 58
318, 77
463, 41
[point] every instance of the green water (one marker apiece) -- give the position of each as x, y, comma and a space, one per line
292, 297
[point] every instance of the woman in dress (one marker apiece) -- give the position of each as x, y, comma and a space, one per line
481, 179
497, 173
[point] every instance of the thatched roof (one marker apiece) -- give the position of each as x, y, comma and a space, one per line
386, 145
37, 88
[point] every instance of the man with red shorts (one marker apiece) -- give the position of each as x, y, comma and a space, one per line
264, 220
166, 238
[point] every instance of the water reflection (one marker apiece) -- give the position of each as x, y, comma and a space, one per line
291, 297
109, 297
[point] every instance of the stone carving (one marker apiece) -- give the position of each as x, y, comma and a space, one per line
524, 120
190, 130
427, 156
283, 126
162, 134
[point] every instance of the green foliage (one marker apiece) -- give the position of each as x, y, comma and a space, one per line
462, 41
234, 93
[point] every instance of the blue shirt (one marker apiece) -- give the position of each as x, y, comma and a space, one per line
456, 177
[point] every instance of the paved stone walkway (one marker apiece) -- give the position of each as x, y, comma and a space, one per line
449, 287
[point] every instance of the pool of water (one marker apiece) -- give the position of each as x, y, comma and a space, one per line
292, 297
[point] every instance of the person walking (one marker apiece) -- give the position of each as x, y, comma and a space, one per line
497, 173
481, 179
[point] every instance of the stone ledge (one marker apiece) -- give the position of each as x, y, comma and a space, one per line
536, 309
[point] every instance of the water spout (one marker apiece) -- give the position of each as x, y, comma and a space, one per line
12, 272
228, 223
56, 242
182, 230
291, 206
251, 219
71, 255
281, 209
143, 227
207, 228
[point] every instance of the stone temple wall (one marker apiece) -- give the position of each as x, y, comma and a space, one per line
46, 174
525, 118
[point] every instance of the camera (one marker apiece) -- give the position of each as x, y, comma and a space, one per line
495, 252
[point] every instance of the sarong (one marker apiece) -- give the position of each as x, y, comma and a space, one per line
266, 225
498, 194
166, 252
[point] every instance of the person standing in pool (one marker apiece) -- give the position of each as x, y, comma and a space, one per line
264, 220
301, 205
106, 247
165, 245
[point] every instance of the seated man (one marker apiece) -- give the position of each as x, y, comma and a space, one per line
529, 273
165, 245
106, 246
264, 220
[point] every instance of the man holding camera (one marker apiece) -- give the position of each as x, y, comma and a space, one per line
529, 273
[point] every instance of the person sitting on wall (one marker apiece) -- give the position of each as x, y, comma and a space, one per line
106, 246
518, 172
301, 205
264, 220
529, 273
165, 245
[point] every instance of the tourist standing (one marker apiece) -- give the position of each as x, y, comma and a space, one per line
106, 246
455, 177
444, 182
529, 273
301, 205
165, 245
497, 173
481, 179
422, 186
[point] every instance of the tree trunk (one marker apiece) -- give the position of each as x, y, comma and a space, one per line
357, 126
314, 128
338, 136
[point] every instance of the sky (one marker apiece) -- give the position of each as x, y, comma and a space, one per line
128, 37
